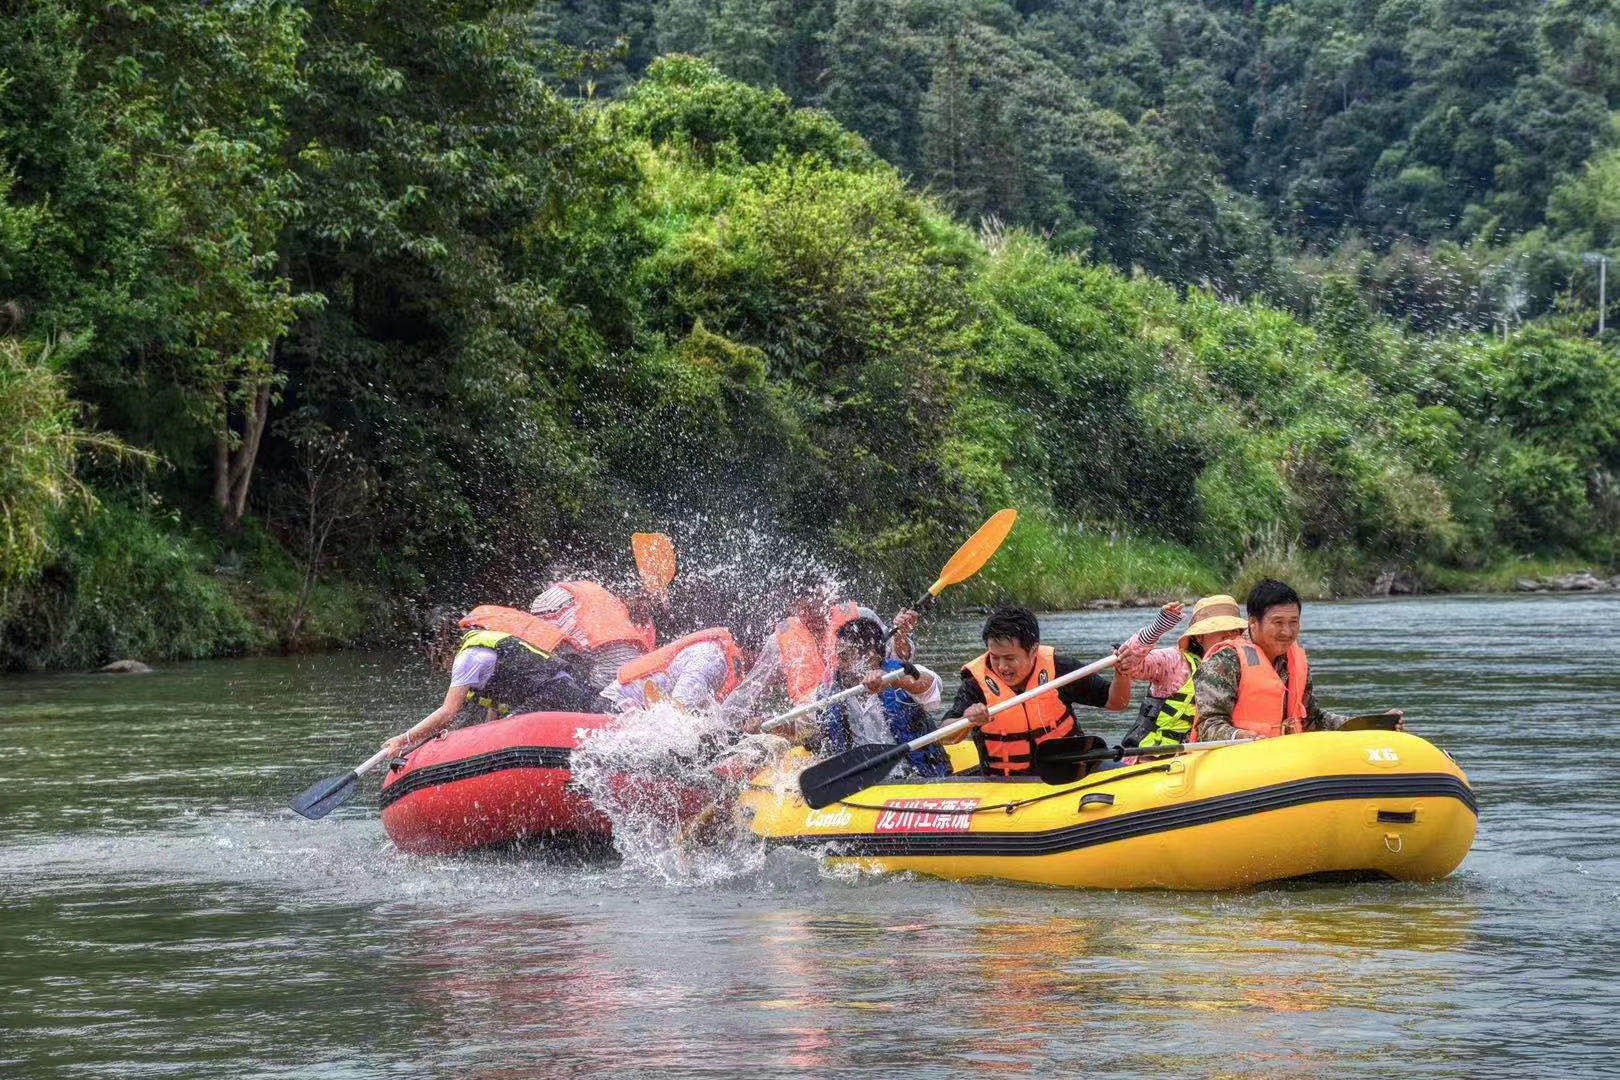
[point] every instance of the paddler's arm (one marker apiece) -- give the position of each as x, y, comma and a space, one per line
430, 725
900, 646
921, 683
1093, 690
969, 701
1215, 694
1119, 695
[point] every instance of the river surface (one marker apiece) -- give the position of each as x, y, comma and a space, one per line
165, 915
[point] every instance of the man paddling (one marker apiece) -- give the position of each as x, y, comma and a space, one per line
1259, 686
1014, 660
883, 714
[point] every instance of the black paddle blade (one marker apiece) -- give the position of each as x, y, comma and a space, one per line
325, 796
854, 770
1063, 761
1371, 722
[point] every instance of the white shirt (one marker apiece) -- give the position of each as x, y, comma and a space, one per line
694, 679
867, 724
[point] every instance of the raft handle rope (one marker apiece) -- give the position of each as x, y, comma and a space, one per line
1014, 806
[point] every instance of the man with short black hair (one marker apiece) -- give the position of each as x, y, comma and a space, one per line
1259, 686
1014, 661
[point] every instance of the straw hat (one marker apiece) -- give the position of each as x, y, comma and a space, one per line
1212, 614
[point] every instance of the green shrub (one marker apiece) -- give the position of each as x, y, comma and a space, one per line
130, 584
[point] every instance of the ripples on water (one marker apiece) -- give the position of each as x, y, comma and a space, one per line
165, 915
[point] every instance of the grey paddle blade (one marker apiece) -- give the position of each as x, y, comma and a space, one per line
327, 795
853, 770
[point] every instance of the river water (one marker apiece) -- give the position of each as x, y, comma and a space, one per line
165, 915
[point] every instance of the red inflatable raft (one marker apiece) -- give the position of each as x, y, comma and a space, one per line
500, 783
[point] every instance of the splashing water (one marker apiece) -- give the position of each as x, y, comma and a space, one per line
668, 780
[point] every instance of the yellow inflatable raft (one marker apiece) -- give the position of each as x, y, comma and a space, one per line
1372, 804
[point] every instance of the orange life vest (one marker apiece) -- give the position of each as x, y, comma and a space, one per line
520, 624
804, 659
600, 618
1265, 704
657, 662
1011, 736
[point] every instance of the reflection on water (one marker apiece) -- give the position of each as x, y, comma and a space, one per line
166, 915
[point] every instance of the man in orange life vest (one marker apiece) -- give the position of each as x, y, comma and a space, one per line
1014, 661
1259, 686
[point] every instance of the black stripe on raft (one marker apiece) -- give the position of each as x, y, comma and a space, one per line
513, 757
1147, 822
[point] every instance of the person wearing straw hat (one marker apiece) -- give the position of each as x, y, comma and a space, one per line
1167, 713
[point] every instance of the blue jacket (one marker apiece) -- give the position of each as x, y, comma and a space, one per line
907, 720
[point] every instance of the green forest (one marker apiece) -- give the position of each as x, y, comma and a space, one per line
317, 315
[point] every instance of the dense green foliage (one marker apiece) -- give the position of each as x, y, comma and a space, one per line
1450, 155
397, 315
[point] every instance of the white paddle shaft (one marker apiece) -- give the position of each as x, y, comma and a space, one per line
821, 703
1062, 680
372, 762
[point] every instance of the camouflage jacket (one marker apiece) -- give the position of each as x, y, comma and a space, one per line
1215, 689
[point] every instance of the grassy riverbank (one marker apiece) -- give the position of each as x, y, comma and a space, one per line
1054, 566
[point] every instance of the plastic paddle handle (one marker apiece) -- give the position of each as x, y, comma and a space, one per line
821, 703
373, 761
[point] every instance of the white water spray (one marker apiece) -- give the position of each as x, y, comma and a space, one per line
668, 779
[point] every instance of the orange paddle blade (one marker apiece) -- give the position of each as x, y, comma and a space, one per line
976, 552
655, 559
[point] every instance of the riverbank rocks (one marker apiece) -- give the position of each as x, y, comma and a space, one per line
1395, 583
1582, 581
126, 667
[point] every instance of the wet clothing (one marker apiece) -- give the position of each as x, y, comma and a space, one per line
697, 671
891, 716
505, 673
1216, 689
1091, 690
805, 658
768, 673
599, 664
